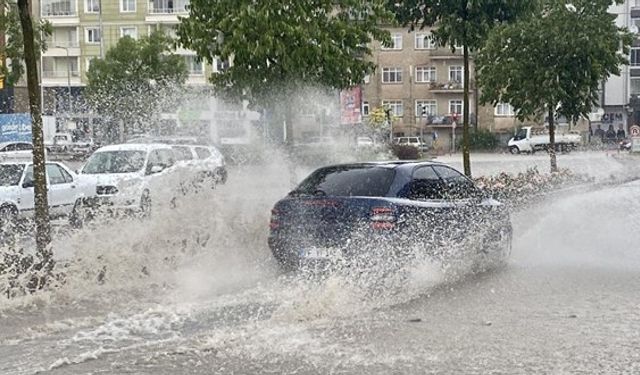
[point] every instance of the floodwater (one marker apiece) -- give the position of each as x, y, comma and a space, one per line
194, 291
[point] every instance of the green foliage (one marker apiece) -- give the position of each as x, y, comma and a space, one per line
135, 78
483, 140
554, 60
14, 47
459, 22
278, 45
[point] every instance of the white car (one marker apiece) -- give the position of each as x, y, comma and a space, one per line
129, 176
206, 161
66, 190
15, 151
409, 141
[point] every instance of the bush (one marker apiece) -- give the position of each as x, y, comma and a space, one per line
404, 152
521, 189
482, 140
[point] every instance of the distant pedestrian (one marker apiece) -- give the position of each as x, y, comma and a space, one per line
599, 133
611, 134
621, 134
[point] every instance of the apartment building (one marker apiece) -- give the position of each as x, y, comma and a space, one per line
618, 107
87, 29
422, 84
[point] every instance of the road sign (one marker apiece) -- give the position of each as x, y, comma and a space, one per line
634, 131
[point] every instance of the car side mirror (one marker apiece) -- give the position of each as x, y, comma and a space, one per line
28, 184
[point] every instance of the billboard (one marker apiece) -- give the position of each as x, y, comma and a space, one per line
15, 127
350, 106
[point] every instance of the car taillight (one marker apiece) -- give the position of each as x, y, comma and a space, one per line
275, 219
382, 218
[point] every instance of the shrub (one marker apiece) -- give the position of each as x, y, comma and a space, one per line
482, 140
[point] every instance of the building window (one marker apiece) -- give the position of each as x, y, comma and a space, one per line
194, 65
391, 75
424, 41
635, 85
426, 108
396, 107
365, 108
455, 107
455, 74
131, 31
367, 79
634, 59
221, 65
91, 6
396, 43
92, 35
425, 74
504, 109
127, 6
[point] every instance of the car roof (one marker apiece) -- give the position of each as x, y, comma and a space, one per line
393, 164
2, 144
134, 147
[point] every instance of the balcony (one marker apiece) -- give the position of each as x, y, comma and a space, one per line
166, 11
443, 53
449, 87
61, 78
60, 12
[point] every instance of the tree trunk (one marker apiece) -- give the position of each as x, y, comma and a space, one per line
43, 229
552, 141
466, 161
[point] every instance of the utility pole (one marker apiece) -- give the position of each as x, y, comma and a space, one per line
43, 228
100, 28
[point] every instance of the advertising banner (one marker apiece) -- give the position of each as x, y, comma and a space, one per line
350, 105
15, 127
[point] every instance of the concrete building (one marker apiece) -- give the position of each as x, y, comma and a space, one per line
422, 85
618, 106
87, 29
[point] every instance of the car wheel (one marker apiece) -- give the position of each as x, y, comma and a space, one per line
514, 150
145, 204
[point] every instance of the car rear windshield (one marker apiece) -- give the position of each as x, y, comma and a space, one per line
347, 181
10, 174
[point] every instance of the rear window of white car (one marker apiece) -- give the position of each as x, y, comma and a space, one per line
203, 153
182, 153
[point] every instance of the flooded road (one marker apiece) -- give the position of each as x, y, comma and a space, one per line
197, 293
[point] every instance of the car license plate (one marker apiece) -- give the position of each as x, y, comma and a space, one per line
320, 253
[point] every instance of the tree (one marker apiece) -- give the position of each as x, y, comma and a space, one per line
13, 49
43, 228
279, 46
554, 61
134, 80
460, 23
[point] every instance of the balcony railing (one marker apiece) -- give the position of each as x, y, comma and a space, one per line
57, 9
167, 10
62, 44
168, 7
60, 74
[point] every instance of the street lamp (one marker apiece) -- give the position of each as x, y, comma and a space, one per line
70, 110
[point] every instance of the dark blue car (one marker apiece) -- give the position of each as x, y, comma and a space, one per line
382, 211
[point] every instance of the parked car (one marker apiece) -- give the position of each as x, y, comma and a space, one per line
529, 140
66, 191
129, 176
359, 211
410, 141
207, 162
15, 151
